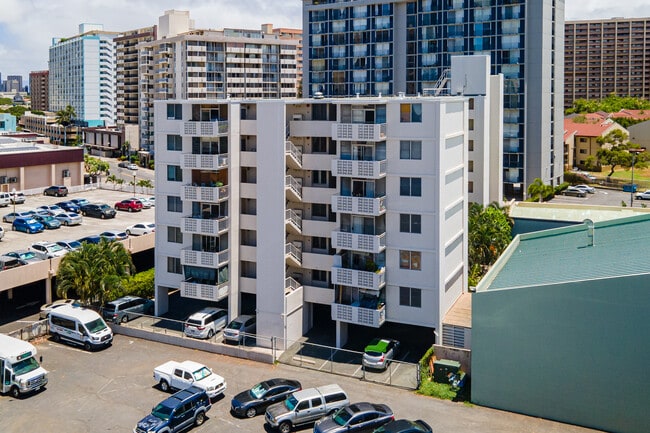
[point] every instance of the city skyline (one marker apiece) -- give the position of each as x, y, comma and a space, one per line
27, 28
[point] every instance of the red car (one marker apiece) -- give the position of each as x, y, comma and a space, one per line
129, 205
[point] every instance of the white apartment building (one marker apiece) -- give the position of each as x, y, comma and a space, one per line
354, 209
211, 64
82, 74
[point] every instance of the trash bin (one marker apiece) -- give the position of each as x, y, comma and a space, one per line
442, 368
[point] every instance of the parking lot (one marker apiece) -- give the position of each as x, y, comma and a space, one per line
112, 389
90, 226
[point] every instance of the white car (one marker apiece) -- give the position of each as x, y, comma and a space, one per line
69, 218
52, 208
47, 308
48, 250
2, 232
587, 188
152, 200
645, 195
140, 229
206, 322
70, 245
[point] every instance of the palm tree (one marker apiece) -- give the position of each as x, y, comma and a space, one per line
538, 189
65, 117
94, 271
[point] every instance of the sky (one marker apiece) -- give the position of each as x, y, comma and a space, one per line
28, 26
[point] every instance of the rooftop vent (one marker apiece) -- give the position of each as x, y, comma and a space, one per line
590, 232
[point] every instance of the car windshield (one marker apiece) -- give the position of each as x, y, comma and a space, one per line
291, 402
342, 416
201, 373
235, 325
54, 248
31, 221
25, 366
95, 326
259, 390
104, 206
162, 412
74, 244
27, 255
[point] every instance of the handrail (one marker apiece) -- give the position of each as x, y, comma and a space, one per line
294, 251
293, 150
293, 217
293, 183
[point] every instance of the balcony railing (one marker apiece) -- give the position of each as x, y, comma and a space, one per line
293, 218
359, 205
293, 252
204, 258
344, 240
363, 169
359, 131
359, 315
204, 129
204, 162
205, 193
294, 185
357, 278
205, 226
190, 289
294, 152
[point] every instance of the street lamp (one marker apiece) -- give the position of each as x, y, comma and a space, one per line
134, 183
13, 193
634, 152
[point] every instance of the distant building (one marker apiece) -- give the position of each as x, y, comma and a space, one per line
104, 141
581, 134
607, 56
82, 74
7, 122
45, 124
28, 162
39, 89
14, 84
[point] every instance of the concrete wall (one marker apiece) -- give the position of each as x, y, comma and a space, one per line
574, 352
463, 356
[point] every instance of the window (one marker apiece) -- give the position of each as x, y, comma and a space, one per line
411, 113
470, 145
174, 204
174, 142
319, 210
470, 166
583, 140
319, 145
410, 149
470, 124
320, 276
319, 177
471, 103
174, 111
174, 173
410, 186
470, 186
583, 150
319, 243
410, 297
174, 235
410, 223
174, 265
409, 260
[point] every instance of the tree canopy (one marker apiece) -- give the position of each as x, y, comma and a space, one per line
610, 104
64, 117
615, 151
490, 233
94, 165
538, 191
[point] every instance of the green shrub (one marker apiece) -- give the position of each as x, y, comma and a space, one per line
435, 389
424, 363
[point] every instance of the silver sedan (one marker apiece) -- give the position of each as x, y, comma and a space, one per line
69, 218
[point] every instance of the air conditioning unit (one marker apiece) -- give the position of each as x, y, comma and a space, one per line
297, 117
66, 173
3, 179
13, 180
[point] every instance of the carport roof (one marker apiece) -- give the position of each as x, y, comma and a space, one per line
567, 254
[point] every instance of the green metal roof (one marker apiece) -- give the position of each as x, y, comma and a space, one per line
620, 247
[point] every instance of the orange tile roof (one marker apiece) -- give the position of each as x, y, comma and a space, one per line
631, 114
590, 128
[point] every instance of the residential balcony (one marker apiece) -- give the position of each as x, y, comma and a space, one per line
358, 278
374, 206
293, 186
204, 258
359, 131
293, 154
205, 226
207, 292
204, 129
293, 254
359, 169
293, 221
212, 194
344, 239
204, 162
359, 315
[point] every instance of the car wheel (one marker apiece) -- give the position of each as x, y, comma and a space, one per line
284, 427
84, 213
210, 334
130, 209
87, 346
164, 386
199, 419
15, 392
56, 337
102, 216
65, 223
29, 231
128, 232
251, 412
4, 220
13, 228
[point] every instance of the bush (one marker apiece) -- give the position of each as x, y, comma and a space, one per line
140, 284
435, 389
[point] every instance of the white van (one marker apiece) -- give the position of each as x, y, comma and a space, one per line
5, 199
79, 325
19, 369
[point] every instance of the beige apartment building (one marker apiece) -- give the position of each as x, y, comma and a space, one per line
602, 57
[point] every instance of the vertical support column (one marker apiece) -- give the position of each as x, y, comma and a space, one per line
48, 287
341, 333
162, 300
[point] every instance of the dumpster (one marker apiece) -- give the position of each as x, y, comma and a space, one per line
443, 369
629, 187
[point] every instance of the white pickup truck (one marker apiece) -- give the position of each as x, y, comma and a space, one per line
181, 375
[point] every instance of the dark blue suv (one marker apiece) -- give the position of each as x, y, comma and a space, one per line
177, 412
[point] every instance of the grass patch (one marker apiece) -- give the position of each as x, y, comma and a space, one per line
439, 390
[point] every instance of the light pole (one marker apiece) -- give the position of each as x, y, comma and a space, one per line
134, 183
634, 153
13, 194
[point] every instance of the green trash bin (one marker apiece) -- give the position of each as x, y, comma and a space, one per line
442, 368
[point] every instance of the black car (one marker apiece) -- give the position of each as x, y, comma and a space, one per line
98, 210
69, 206
357, 417
177, 413
255, 400
92, 239
56, 191
405, 426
